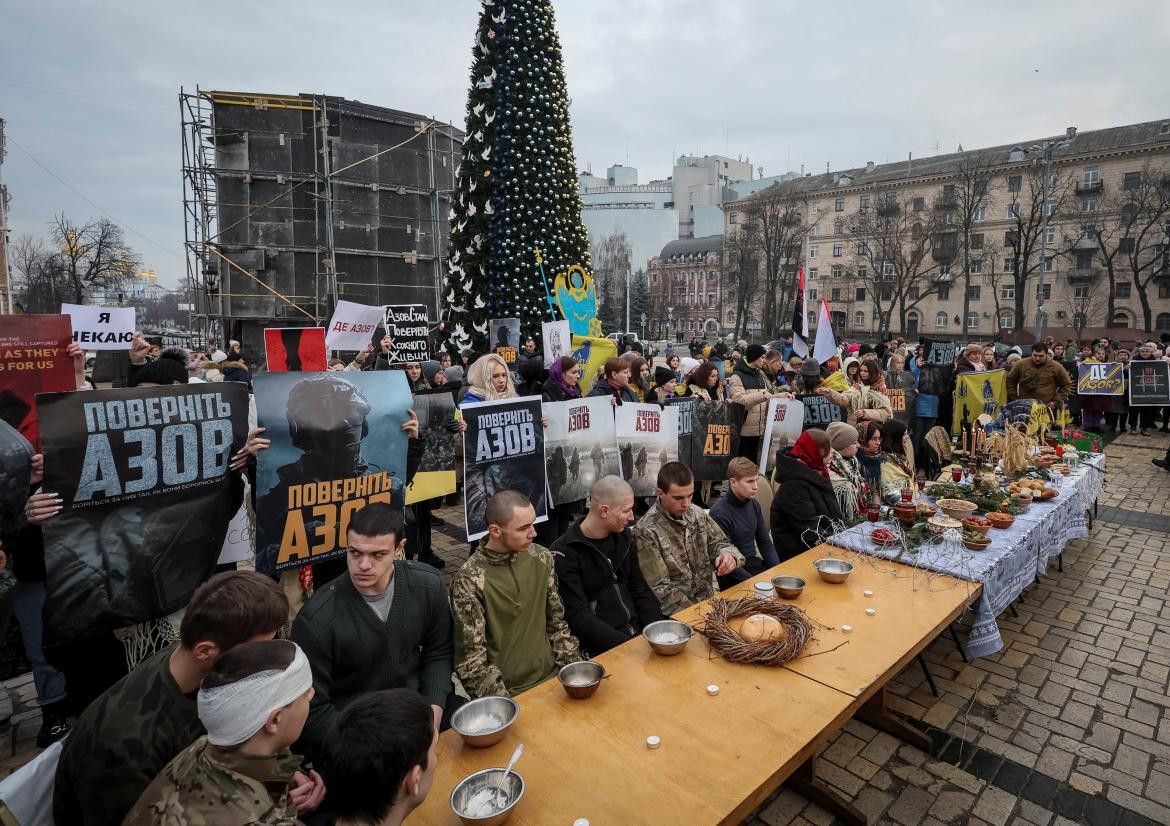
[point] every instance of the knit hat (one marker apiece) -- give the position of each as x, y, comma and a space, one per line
810, 367
864, 349
686, 365
754, 351
169, 368
841, 435
454, 374
662, 376
852, 348
430, 369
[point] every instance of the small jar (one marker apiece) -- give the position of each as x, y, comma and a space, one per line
765, 590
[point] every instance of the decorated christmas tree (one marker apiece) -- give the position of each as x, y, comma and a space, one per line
517, 182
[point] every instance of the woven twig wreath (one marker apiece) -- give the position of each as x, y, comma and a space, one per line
715, 626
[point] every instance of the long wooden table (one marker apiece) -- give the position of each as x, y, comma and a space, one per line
722, 755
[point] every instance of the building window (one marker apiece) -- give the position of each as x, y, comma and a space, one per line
1092, 175
1007, 319
863, 248
1125, 245
972, 320
733, 217
919, 204
860, 294
945, 270
864, 201
1013, 210
1122, 289
812, 252
1162, 322
1014, 183
835, 295
973, 292
838, 250
837, 271
812, 295
1007, 292
940, 320
1132, 180
710, 299
1121, 319
814, 230
977, 241
1084, 260
1048, 264
1080, 291
976, 268
859, 319
862, 271
1044, 292
1164, 290
838, 227
812, 273
839, 205
1088, 204
1050, 235
1009, 265
944, 292
712, 275
887, 269
1049, 207
816, 209
912, 293
981, 213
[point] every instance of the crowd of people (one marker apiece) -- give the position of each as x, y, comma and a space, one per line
338, 722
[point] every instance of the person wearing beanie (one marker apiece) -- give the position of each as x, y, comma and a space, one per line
253, 702
844, 470
686, 365
664, 386
852, 349
431, 370
169, 368
866, 350
748, 386
810, 375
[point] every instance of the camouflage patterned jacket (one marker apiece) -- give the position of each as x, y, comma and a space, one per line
510, 630
677, 556
207, 786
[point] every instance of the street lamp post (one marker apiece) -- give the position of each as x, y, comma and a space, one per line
643, 325
669, 321
1044, 186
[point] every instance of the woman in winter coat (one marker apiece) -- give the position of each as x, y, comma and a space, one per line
845, 471
489, 379
615, 382
703, 382
564, 374
971, 360
748, 386
805, 495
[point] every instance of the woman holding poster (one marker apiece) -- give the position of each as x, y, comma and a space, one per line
564, 376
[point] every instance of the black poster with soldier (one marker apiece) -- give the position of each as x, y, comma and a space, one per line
146, 494
819, 412
437, 427
708, 436
503, 449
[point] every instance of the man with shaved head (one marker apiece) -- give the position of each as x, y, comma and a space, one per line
607, 600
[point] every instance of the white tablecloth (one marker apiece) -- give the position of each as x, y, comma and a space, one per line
1014, 559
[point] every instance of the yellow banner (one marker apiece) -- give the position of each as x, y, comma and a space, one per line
430, 484
976, 394
591, 352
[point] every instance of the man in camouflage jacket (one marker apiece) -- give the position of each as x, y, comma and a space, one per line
680, 547
510, 630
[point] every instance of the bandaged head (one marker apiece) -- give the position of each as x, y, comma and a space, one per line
234, 711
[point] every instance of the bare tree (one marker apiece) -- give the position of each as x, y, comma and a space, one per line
1024, 240
1145, 219
1085, 305
44, 286
91, 256
776, 220
966, 200
611, 271
742, 275
894, 259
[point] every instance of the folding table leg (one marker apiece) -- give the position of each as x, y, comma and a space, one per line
929, 678
1060, 561
875, 713
958, 644
803, 781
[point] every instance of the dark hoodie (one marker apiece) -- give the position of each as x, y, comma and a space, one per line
607, 600
743, 522
804, 497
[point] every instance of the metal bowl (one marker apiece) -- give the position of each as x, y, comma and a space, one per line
788, 587
668, 637
835, 571
581, 679
486, 780
483, 722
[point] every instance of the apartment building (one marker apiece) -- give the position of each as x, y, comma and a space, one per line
1066, 211
686, 284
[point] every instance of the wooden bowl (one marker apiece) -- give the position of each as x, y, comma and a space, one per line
977, 524
1001, 521
957, 508
976, 546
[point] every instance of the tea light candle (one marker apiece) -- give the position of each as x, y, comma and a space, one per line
581, 821
652, 742
847, 628
870, 611
868, 593
712, 689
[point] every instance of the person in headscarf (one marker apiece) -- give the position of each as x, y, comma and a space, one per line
845, 471
489, 379
898, 463
564, 376
805, 506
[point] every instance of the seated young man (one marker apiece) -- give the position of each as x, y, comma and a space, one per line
379, 758
510, 629
606, 598
126, 736
385, 623
740, 516
680, 547
253, 703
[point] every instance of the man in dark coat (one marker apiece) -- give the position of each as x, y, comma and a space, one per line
804, 497
607, 600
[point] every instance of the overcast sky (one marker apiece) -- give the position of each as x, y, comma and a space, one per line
90, 88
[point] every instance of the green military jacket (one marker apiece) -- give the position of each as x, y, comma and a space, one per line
510, 630
207, 786
677, 555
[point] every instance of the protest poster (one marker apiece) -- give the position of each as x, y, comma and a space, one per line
352, 325
146, 494
408, 326
15, 472
935, 376
580, 446
1149, 383
819, 412
337, 443
685, 405
240, 542
977, 394
783, 424
708, 435
558, 341
902, 391
503, 449
101, 328
435, 474
647, 437
505, 339
32, 360
295, 349
1106, 379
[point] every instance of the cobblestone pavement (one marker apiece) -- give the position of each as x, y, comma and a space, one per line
1069, 723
